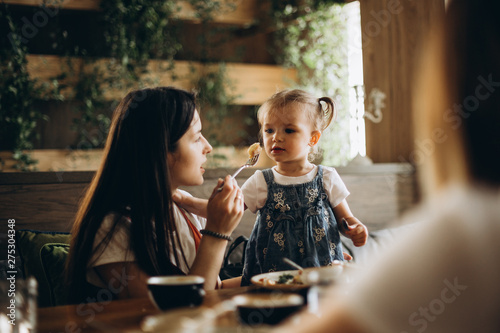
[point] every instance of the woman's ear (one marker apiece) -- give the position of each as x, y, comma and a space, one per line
315, 135
170, 159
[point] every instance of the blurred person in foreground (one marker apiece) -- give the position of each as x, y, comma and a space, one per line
445, 276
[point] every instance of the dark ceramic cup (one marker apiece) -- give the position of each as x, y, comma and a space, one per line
266, 308
168, 292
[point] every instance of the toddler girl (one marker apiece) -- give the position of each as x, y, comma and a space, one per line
299, 204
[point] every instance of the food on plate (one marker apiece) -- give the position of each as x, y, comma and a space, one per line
254, 150
285, 278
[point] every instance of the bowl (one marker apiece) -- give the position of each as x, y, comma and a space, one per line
324, 275
168, 292
266, 308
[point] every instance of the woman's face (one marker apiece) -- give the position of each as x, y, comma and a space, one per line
186, 162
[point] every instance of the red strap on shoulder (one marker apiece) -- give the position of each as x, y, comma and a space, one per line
196, 233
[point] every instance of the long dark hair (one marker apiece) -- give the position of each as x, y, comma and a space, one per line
134, 179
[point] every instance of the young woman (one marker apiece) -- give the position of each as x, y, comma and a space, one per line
128, 226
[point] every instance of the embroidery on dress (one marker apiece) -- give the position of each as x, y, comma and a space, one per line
269, 223
313, 211
328, 221
332, 248
272, 269
280, 239
279, 198
300, 244
319, 233
312, 194
264, 252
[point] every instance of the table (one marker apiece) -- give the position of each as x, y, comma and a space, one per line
113, 316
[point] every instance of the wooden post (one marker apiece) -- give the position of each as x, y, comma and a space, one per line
392, 32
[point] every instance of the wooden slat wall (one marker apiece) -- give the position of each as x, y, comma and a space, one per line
253, 83
41, 200
238, 12
392, 32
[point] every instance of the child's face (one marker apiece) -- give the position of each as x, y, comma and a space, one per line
186, 162
288, 136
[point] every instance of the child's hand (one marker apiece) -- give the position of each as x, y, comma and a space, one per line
191, 204
347, 256
356, 231
178, 197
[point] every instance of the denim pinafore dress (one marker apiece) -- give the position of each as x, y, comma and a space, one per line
296, 222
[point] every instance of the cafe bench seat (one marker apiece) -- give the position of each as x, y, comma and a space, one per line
41, 254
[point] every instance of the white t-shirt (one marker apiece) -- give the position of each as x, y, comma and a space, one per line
443, 277
255, 188
118, 249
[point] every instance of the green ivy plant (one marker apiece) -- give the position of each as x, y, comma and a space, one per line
214, 97
18, 114
311, 37
135, 32
139, 30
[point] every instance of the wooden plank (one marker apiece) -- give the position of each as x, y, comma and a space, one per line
44, 201
64, 4
238, 12
45, 177
253, 83
49, 207
392, 32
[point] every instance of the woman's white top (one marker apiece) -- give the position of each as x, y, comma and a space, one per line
118, 249
255, 188
442, 277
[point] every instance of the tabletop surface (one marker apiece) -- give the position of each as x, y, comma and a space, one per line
113, 316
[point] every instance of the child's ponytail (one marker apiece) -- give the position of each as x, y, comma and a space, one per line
327, 110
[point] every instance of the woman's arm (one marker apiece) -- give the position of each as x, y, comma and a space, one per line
355, 230
124, 279
224, 212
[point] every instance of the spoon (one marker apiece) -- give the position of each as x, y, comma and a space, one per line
293, 264
249, 163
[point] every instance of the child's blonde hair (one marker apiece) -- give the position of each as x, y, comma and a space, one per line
320, 111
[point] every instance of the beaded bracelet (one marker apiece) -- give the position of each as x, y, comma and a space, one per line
215, 234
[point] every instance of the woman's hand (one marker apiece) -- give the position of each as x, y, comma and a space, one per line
225, 207
224, 212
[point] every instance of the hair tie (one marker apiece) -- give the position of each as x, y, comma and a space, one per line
323, 107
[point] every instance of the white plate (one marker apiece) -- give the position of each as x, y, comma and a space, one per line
336, 272
262, 280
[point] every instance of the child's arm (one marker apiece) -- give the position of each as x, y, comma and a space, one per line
231, 283
193, 205
355, 230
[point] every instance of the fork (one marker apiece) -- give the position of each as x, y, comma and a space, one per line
249, 163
